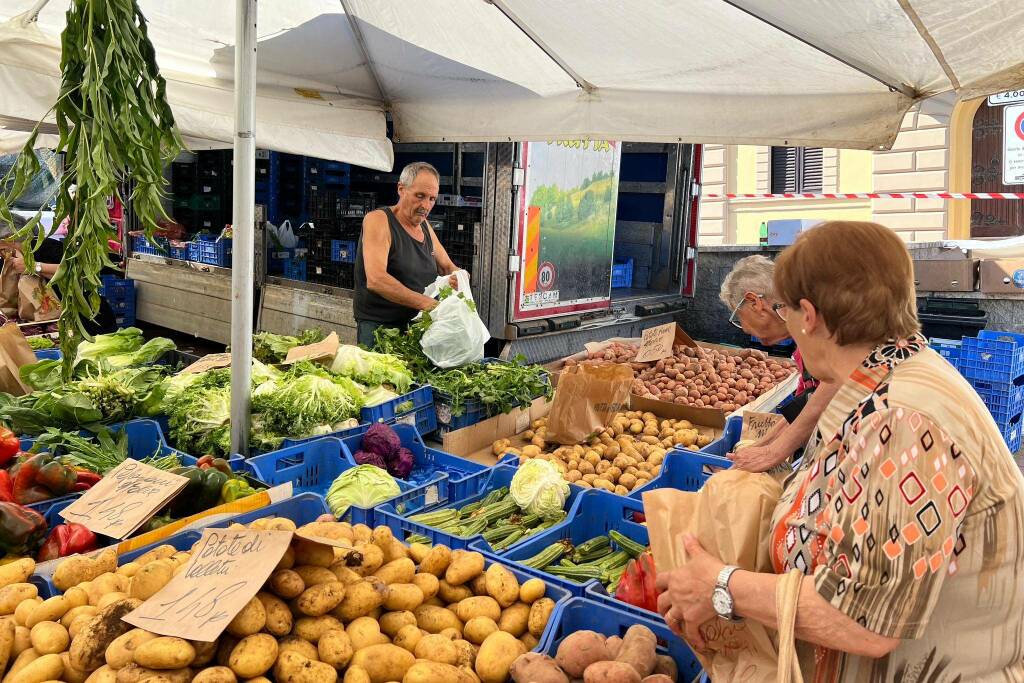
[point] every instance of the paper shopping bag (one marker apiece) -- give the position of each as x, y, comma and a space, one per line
8, 287
14, 353
37, 301
587, 399
731, 517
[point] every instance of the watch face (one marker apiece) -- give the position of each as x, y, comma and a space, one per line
722, 602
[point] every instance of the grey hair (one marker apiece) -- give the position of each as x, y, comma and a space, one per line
409, 173
750, 274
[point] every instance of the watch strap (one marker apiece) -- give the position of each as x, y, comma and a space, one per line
724, 576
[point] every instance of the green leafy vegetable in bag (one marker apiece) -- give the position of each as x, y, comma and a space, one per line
363, 486
372, 369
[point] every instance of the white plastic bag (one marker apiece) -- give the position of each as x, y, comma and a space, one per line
456, 335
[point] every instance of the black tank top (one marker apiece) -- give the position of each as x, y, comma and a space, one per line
410, 262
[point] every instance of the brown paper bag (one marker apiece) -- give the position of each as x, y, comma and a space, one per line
731, 517
8, 287
588, 397
14, 353
36, 301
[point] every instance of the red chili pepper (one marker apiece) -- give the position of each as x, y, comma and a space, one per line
10, 445
6, 492
205, 460
637, 585
67, 539
87, 477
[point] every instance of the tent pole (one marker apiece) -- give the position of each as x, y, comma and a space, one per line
242, 221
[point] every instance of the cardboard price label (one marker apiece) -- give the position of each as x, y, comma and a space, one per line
124, 499
227, 569
210, 362
756, 426
325, 348
656, 343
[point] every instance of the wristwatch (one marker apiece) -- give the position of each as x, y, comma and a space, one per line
721, 598
39, 268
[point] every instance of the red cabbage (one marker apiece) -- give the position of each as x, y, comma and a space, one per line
382, 440
369, 458
401, 464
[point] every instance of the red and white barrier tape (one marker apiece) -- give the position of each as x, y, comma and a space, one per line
870, 195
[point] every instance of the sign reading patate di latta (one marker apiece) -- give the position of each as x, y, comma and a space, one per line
1013, 145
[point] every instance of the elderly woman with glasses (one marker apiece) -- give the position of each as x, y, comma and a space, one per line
749, 292
906, 515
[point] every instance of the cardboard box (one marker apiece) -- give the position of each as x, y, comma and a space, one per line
475, 442
945, 275
1002, 276
782, 233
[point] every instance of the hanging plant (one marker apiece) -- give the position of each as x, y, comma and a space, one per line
115, 125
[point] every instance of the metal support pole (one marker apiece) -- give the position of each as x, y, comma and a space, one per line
243, 222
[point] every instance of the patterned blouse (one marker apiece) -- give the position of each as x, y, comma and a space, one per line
908, 511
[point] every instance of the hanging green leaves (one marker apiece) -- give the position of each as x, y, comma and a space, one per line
115, 125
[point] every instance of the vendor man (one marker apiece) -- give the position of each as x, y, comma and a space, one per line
398, 256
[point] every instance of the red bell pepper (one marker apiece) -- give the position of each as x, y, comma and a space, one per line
6, 487
210, 462
66, 539
21, 529
25, 487
10, 445
85, 480
637, 585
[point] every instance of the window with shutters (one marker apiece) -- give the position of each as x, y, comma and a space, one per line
796, 169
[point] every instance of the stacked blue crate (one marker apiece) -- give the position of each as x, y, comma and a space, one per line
120, 294
268, 184
993, 362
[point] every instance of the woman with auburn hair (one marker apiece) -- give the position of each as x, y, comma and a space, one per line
907, 512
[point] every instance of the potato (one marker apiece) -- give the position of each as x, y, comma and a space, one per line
484, 606
579, 650
345, 574
133, 673
392, 622
78, 568
45, 668
437, 561
90, 644
496, 655
287, 560
17, 571
477, 629
408, 636
466, 651
13, 594
292, 667
451, 633
361, 598
286, 583
384, 663
335, 648
205, 652
150, 579
300, 646
356, 674
452, 594
531, 591
437, 648
49, 637
396, 550
666, 666
253, 656
434, 672
515, 619
537, 668
251, 619
614, 644
403, 596
638, 650
529, 640
321, 598
502, 585
111, 598
611, 672
311, 628
278, 617
397, 571
225, 644
215, 674
364, 632
364, 559
77, 625
74, 613
7, 628
72, 675
25, 608
540, 612
121, 651
165, 652
311, 575
25, 658
436, 619
427, 583
312, 553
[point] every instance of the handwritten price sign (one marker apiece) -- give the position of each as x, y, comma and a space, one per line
124, 499
656, 343
227, 569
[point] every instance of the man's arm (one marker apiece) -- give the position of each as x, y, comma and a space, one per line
376, 244
445, 265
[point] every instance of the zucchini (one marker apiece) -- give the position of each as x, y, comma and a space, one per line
628, 544
547, 556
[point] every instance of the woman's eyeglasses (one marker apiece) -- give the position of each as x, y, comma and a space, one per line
750, 296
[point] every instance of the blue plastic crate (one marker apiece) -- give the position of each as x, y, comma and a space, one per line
1004, 400
343, 251
48, 354
408, 402
423, 419
127, 320
115, 285
1012, 433
445, 476
123, 308
179, 250
473, 411
313, 467
580, 614
140, 245
489, 480
622, 274
294, 269
213, 252
684, 470
593, 513
993, 356
950, 349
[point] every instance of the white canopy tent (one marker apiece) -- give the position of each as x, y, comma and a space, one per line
834, 73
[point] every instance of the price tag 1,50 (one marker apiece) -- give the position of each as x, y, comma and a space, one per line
228, 567
124, 499
656, 343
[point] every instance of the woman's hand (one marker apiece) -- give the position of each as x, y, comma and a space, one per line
685, 601
17, 262
757, 458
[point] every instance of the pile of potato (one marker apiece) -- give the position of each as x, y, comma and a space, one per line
701, 378
594, 658
626, 454
377, 612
